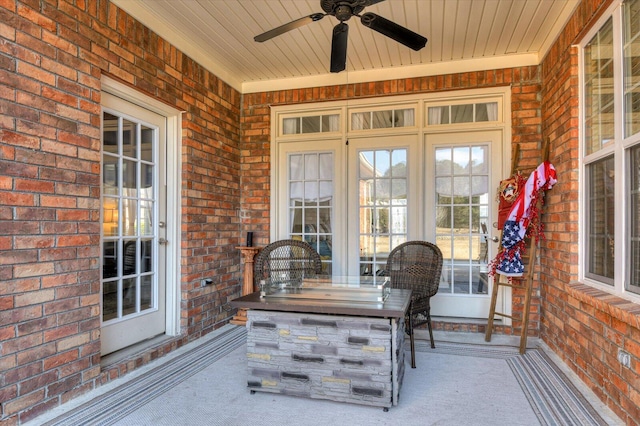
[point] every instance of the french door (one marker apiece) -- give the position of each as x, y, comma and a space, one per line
133, 224
462, 174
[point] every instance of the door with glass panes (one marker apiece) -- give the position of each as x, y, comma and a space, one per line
463, 174
133, 224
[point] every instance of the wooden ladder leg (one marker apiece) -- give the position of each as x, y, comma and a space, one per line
528, 288
492, 310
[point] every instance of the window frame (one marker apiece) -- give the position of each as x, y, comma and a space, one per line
620, 150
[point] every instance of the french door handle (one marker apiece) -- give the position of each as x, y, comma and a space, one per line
495, 239
162, 241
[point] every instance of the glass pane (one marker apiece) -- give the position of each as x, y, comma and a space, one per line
296, 193
479, 280
633, 268
461, 160
110, 217
360, 121
311, 166
366, 164
446, 279
461, 280
399, 220
296, 221
398, 190
326, 166
600, 218
461, 220
311, 124
366, 192
631, 67
330, 123
438, 115
444, 190
110, 133
399, 162
311, 193
290, 126
146, 176
109, 175
129, 217
146, 256
382, 119
479, 160
109, 300
382, 163
443, 161
146, 143
129, 178
404, 117
146, 292
129, 296
129, 139
146, 217
110, 259
462, 113
598, 89
366, 220
443, 219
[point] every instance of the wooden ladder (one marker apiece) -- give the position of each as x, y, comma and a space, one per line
528, 279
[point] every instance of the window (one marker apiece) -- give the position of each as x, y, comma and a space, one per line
611, 150
385, 119
463, 113
310, 124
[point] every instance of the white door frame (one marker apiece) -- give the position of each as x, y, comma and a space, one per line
173, 184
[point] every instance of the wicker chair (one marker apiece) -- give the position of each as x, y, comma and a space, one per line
286, 259
417, 266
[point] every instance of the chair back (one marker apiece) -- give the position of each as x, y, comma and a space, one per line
286, 259
416, 266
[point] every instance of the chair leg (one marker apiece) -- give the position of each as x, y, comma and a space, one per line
413, 344
433, 345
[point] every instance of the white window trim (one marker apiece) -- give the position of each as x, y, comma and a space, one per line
618, 149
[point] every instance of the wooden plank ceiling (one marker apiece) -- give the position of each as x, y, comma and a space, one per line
463, 35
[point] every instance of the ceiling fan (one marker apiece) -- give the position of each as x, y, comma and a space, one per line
343, 10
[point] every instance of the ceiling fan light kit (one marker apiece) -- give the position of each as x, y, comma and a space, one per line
343, 11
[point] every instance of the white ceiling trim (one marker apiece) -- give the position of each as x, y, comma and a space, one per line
425, 70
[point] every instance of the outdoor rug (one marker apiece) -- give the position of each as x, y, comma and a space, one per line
453, 384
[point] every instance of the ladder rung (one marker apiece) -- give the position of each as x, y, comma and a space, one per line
513, 285
504, 315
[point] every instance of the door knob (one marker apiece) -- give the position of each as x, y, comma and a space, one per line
162, 241
495, 239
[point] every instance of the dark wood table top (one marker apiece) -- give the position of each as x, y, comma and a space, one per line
394, 307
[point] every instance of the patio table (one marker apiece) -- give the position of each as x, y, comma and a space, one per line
340, 342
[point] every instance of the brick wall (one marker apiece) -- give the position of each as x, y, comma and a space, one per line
52, 56
583, 325
526, 128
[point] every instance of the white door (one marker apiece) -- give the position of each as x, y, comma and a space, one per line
309, 181
463, 171
133, 224
383, 199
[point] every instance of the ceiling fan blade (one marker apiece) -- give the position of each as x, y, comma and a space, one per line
288, 27
339, 47
392, 30
372, 2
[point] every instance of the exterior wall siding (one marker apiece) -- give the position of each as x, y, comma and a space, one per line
583, 325
52, 56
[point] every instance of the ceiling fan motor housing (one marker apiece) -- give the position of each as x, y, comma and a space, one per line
343, 10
